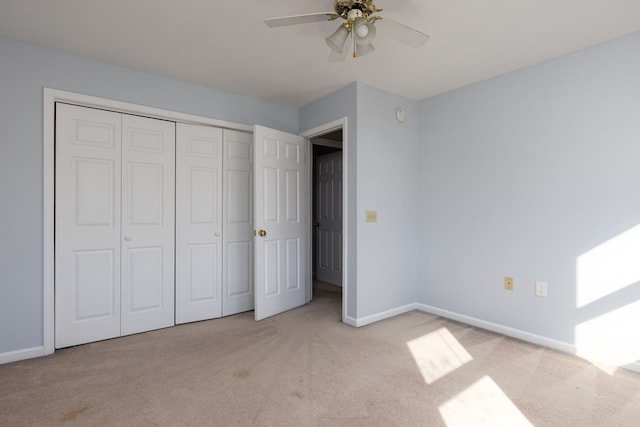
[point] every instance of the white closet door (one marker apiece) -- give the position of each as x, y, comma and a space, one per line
87, 228
329, 218
198, 222
281, 217
238, 223
148, 224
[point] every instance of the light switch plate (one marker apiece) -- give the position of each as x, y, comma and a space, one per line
371, 216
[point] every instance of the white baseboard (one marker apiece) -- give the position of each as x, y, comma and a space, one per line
30, 353
635, 367
362, 321
27, 353
500, 329
351, 321
490, 326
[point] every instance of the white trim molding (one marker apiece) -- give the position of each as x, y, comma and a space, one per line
313, 133
351, 321
363, 321
15, 356
635, 367
500, 329
472, 321
490, 326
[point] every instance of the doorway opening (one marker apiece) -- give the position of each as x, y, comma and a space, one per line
327, 216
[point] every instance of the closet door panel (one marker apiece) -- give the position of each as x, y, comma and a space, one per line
198, 222
238, 223
87, 228
148, 224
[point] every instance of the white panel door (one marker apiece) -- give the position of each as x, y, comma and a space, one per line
87, 227
238, 223
281, 219
329, 218
198, 223
148, 224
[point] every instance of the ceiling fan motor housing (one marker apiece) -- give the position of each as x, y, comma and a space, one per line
352, 9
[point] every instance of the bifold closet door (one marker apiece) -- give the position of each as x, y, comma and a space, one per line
148, 224
87, 225
114, 224
238, 223
198, 222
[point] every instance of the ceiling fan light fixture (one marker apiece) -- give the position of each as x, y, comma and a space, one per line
360, 26
365, 32
364, 49
337, 40
361, 22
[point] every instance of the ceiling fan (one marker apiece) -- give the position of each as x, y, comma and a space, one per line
361, 23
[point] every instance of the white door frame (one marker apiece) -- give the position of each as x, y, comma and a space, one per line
50, 97
310, 134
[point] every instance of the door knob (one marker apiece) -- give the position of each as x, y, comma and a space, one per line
262, 233
217, 234
127, 238
316, 224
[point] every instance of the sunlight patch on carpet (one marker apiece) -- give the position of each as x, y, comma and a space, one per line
438, 354
482, 404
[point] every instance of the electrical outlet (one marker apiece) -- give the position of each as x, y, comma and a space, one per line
508, 283
541, 289
371, 216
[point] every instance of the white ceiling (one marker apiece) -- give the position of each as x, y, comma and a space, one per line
226, 45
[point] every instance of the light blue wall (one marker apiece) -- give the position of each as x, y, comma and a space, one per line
383, 170
388, 182
520, 176
335, 106
24, 70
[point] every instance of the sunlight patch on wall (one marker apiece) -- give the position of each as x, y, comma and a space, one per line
608, 267
482, 404
612, 338
438, 354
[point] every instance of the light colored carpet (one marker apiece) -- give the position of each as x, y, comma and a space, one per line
306, 368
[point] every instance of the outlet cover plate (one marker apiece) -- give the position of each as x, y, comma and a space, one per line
371, 216
508, 283
541, 288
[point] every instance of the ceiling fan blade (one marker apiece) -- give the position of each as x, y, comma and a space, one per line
300, 19
390, 4
401, 32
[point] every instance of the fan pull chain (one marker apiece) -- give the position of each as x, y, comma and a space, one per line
355, 46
